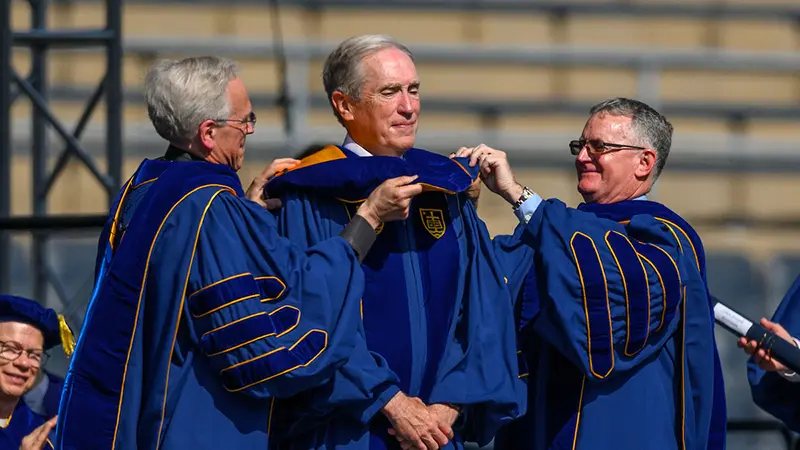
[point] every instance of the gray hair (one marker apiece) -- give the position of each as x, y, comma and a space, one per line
650, 129
342, 70
180, 95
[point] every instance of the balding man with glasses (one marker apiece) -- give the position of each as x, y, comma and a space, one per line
615, 320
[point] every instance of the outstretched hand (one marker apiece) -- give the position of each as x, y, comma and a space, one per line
256, 190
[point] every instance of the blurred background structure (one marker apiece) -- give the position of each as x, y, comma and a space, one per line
518, 75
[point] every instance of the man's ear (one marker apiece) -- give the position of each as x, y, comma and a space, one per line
647, 164
207, 133
343, 106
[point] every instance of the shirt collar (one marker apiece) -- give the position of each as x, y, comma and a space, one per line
351, 145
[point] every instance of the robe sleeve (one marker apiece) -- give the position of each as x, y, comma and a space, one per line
281, 331
365, 383
609, 293
773, 393
515, 258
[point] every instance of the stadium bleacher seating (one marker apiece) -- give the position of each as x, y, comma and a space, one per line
517, 74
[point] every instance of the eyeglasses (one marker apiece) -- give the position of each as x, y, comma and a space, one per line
11, 351
596, 147
250, 120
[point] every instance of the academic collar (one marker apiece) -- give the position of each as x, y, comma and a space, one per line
641, 197
178, 154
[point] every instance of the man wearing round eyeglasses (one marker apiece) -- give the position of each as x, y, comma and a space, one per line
615, 317
27, 332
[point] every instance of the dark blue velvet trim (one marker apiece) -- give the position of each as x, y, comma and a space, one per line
385, 306
621, 211
668, 272
221, 294
438, 253
270, 288
637, 292
284, 319
94, 385
522, 362
280, 362
238, 333
595, 291
564, 396
353, 178
624, 211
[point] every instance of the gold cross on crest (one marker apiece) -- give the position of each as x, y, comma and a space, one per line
433, 221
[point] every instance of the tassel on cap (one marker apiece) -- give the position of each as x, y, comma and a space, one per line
67, 338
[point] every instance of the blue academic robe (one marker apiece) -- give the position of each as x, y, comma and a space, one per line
21, 423
200, 316
437, 313
616, 326
771, 392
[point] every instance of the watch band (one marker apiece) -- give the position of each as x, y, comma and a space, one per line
526, 194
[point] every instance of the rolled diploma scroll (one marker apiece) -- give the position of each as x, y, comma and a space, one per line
785, 352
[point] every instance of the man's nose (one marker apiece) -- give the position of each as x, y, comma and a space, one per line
23, 362
405, 105
583, 155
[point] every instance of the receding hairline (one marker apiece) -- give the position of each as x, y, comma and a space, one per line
629, 127
371, 56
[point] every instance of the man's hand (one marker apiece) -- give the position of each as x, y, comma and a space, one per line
390, 201
412, 423
760, 356
256, 190
38, 437
495, 171
474, 193
444, 415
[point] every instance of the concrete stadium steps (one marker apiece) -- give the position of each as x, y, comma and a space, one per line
479, 81
465, 26
498, 81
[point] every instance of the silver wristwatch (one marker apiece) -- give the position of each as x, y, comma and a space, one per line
526, 194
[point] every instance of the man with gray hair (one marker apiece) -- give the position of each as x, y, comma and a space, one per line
438, 363
201, 314
615, 318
